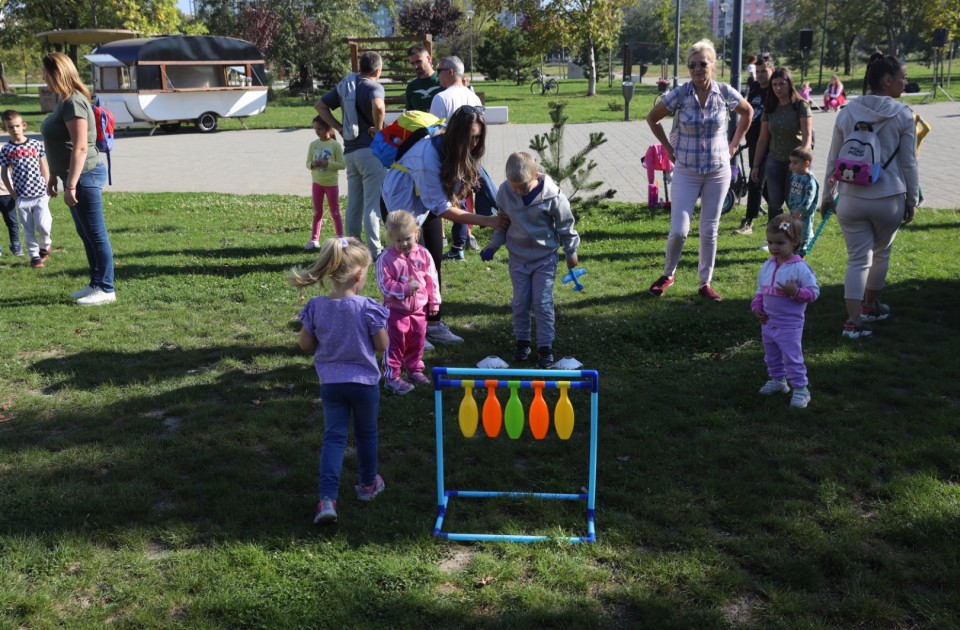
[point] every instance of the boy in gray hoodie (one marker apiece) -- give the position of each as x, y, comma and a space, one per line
540, 221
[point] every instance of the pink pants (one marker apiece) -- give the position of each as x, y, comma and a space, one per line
783, 354
689, 185
406, 331
332, 193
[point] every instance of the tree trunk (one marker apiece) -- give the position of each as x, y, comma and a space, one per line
592, 62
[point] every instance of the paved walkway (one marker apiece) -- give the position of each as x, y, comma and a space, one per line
274, 161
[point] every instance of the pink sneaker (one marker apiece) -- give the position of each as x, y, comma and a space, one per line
369, 493
706, 291
326, 512
418, 378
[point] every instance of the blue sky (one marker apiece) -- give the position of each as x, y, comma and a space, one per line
184, 5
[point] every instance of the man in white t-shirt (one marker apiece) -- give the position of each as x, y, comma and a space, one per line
455, 94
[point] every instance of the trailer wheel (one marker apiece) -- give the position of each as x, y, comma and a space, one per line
207, 122
170, 127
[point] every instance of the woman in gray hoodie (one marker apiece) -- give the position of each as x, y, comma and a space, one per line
870, 215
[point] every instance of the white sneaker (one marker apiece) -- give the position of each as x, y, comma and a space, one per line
84, 292
440, 334
97, 297
772, 387
311, 245
801, 398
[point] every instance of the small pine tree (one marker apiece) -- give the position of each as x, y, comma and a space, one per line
549, 147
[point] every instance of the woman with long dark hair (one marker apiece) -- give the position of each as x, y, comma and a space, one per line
432, 180
786, 123
870, 215
69, 138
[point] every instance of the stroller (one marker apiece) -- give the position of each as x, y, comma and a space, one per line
656, 159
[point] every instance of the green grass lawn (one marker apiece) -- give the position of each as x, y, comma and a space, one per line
158, 456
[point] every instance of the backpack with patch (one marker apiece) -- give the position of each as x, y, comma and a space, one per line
105, 124
347, 90
858, 161
391, 142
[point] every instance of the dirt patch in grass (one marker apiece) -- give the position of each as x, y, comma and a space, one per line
742, 609
459, 561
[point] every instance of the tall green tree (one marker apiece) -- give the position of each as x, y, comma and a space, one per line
595, 24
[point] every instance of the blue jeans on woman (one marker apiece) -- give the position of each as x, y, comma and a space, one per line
339, 399
88, 218
777, 176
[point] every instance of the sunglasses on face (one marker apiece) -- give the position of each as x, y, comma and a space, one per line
694, 64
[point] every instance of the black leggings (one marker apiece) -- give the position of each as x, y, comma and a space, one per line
432, 231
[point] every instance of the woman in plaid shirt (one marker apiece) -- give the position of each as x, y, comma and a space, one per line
701, 153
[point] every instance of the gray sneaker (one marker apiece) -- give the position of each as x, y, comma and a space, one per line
801, 398
744, 229
439, 334
774, 386
472, 243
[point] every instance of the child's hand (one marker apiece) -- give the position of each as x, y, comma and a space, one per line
414, 286
432, 312
486, 254
323, 163
572, 261
790, 288
761, 316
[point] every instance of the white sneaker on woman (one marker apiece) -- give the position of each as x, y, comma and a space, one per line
84, 292
97, 297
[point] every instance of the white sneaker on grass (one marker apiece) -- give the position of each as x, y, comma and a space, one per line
774, 386
801, 398
97, 297
84, 292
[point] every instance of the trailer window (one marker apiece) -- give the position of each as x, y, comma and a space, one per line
187, 77
115, 78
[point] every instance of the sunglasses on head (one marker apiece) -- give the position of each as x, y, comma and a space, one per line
695, 64
471, 109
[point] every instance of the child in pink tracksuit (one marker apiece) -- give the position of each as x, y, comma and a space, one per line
785, 286
407, 277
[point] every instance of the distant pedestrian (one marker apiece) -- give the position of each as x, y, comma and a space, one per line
756, 95
421, 90
24, 163
834, 97
701, 153
786, 123
324, 159
360, 98
344, 331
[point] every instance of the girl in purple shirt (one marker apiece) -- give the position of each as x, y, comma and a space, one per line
343, 331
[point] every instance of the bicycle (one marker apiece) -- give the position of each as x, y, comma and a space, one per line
541, 86
739, 184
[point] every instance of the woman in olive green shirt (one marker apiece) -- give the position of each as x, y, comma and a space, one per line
69, 138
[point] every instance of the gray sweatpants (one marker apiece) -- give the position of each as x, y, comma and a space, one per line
533, 289
869, 227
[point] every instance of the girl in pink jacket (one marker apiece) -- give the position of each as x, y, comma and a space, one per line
407, 277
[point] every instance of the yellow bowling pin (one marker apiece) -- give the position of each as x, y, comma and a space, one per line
468, 411
563, 413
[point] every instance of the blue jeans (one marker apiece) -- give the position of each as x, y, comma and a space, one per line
777, 176
88, 219
8, 208
339, 399
533, 290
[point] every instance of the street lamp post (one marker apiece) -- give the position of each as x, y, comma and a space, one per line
723, 36
470, 14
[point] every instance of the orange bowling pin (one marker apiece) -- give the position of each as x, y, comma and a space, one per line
539, 413
492, 414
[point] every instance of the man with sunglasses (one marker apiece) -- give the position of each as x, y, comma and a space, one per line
455, 95
422, 89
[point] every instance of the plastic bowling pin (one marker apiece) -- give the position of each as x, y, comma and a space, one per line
513, 417
563, 413
539, 413
492, 415
468, 411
